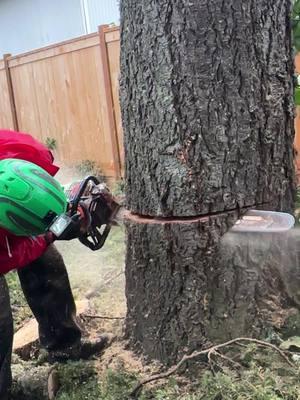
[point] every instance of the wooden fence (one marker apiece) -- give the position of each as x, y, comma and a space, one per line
68, 92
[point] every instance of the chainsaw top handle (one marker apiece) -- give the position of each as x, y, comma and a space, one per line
78, 197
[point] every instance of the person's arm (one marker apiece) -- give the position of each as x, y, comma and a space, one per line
21, 251
18, 251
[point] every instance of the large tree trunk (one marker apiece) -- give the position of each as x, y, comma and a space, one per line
206, 96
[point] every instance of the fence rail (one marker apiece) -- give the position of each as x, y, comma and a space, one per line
68, 92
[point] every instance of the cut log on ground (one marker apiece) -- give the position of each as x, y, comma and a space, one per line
31, 382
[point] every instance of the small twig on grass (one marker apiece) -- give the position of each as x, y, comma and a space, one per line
210, 361
230, 360
241, 345
208, 352
110, 280
100, 316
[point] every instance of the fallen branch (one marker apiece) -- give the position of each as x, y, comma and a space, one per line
100, 316
209, 352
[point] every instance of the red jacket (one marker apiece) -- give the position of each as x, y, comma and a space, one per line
18, 251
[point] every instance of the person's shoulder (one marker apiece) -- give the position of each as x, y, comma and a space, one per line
7, 133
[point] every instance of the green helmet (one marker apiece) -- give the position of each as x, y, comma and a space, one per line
30, 198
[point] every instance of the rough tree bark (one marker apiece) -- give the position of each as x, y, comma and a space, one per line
206, 96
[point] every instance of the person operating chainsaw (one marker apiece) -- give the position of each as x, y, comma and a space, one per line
30, 198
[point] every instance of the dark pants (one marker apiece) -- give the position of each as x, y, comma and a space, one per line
46, 286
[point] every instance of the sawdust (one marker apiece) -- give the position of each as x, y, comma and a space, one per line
118, 357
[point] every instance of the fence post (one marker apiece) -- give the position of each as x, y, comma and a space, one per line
11, 92
108, 98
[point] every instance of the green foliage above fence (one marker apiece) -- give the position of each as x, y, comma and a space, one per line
296, 24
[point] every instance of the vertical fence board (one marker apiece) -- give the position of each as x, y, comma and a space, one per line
113, 51
109, 103
6, 116
10, 93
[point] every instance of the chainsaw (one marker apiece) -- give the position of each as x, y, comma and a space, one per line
92, 201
